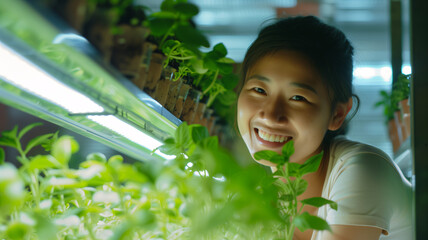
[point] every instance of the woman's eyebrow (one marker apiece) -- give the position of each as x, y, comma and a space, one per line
259, 77
304, 86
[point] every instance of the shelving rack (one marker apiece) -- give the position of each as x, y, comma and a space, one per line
37, 38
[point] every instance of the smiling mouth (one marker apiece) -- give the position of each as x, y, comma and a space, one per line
265, 137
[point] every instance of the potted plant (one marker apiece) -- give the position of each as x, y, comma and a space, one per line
401, 93
391, 112
163, 87
128, 42
172, 21
98, 29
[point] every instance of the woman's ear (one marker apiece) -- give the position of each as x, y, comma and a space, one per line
339, 115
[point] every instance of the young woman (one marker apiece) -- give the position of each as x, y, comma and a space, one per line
298, 86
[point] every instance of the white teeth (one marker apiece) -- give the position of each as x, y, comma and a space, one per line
272, 138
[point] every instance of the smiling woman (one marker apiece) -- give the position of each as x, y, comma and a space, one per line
297, 85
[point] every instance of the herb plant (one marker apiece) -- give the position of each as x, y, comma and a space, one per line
202, 194
291, 184
389, 106
401, 88
389, 101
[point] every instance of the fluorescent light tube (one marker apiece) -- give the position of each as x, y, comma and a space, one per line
20, 72
115, 124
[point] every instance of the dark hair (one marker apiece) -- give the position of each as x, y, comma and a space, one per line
325, 46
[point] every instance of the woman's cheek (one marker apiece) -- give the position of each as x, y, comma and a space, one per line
241, 114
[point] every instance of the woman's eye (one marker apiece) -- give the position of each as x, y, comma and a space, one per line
298, 98
259, 90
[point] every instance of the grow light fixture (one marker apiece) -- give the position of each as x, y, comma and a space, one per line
115, 124
20, 72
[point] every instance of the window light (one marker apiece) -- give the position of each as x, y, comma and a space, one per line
115, 124
20, 72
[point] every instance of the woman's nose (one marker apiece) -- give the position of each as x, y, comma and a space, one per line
275, 110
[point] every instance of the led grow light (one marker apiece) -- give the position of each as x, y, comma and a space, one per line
115, 124
20, 72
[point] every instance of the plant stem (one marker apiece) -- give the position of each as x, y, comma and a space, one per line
212, 82
89, 227
166, 35
34, 184
183, 58
198, 80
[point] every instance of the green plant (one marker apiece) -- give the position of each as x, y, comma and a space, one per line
389, 101
218, 78
180, 41
401, 88
203, 193
174, 19
291, 184
389, 106
184, 55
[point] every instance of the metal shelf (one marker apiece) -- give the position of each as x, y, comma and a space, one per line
46, 41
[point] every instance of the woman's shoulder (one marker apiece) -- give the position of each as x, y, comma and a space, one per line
368, 159
368, 187
342, 149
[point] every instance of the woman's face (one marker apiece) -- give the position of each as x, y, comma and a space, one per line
284, 98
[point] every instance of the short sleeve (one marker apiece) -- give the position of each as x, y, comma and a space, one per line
362, 189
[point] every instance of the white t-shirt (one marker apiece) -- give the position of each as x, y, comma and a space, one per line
369, 189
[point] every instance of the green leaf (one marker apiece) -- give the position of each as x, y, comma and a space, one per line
209, 143
47, 145
115, 161
227, 98
164, 15
182, 135
11, 134
300, 186
293, 169
269, 156
45, 228
167, 5
63, 148
229, 81
160, 26
127, 173
2, 156
227, 60
170, 149
319, 202
187, 9
37, 141
43, 162
286, 197
312, 164
17, 230
9, 137
191, 36
198, 65
98, 157
265, 155
288, 148
28, 128
5, 141
199, 133
220, 49
210, 64
169, 141
306, 221
225, 68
